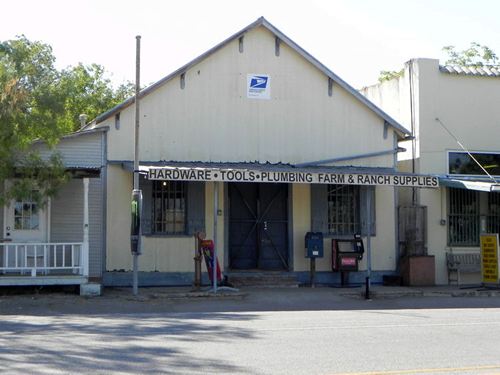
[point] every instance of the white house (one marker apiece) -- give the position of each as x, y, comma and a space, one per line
61, 243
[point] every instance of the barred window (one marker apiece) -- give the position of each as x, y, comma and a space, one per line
493, 218
463, 218
343, 209
169, 207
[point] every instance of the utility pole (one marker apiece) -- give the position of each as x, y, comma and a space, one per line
136, 230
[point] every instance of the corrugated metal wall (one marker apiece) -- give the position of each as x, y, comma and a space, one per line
67, 219
85, 150
79, 151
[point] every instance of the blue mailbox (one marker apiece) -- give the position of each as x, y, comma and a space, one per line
314, 245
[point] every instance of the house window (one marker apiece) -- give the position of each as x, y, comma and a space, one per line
26, 215
343, 209
463, 218
169, 207
463, 164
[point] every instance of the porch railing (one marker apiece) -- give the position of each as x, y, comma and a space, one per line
43, 259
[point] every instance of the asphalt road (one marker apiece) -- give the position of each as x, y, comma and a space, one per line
261, 334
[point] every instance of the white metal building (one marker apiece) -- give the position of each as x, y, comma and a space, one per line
287, 146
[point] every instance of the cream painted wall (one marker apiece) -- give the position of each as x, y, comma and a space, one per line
393, 97
383, 245
119, 188
167, 254
468, 107
164, 254
212, 113
301, 211
435, 200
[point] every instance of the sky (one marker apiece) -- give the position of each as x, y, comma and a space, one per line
356, 39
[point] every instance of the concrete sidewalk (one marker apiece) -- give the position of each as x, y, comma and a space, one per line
376, 292
185, 299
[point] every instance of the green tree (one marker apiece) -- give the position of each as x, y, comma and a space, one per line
476, 55
30, 105
38, 102
387, 75
88, 90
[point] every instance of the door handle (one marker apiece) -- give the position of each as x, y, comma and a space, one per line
265, 225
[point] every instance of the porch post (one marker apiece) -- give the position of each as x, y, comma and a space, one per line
368, 247
85, 245
48, 217
216, 207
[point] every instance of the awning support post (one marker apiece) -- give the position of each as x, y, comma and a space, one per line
368, 247
214, 260
85, 245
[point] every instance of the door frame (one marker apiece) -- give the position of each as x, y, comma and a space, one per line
44, 214
227, 218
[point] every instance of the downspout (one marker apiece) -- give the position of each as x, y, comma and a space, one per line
104, 201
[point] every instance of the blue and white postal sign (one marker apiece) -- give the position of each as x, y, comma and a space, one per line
258, 86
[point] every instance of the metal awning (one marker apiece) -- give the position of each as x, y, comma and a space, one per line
280, 173
469, 183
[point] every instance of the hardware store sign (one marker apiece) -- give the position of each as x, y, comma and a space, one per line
240, 175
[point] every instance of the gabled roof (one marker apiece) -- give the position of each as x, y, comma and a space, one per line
401, 130
78, 133
484, 71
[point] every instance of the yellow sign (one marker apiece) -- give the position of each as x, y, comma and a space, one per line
489, 258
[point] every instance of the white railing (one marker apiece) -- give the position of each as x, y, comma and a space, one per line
42, 259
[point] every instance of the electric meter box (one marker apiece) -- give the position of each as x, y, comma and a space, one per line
314, 245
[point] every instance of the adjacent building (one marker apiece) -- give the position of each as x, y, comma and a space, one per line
454, 116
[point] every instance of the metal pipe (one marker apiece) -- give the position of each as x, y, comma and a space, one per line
368, 245
413, 130
312, 274
352, 157
214, 260
137, 110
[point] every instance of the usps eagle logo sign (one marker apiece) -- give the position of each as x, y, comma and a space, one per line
258, 86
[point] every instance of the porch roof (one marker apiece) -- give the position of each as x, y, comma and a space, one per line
469, 183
